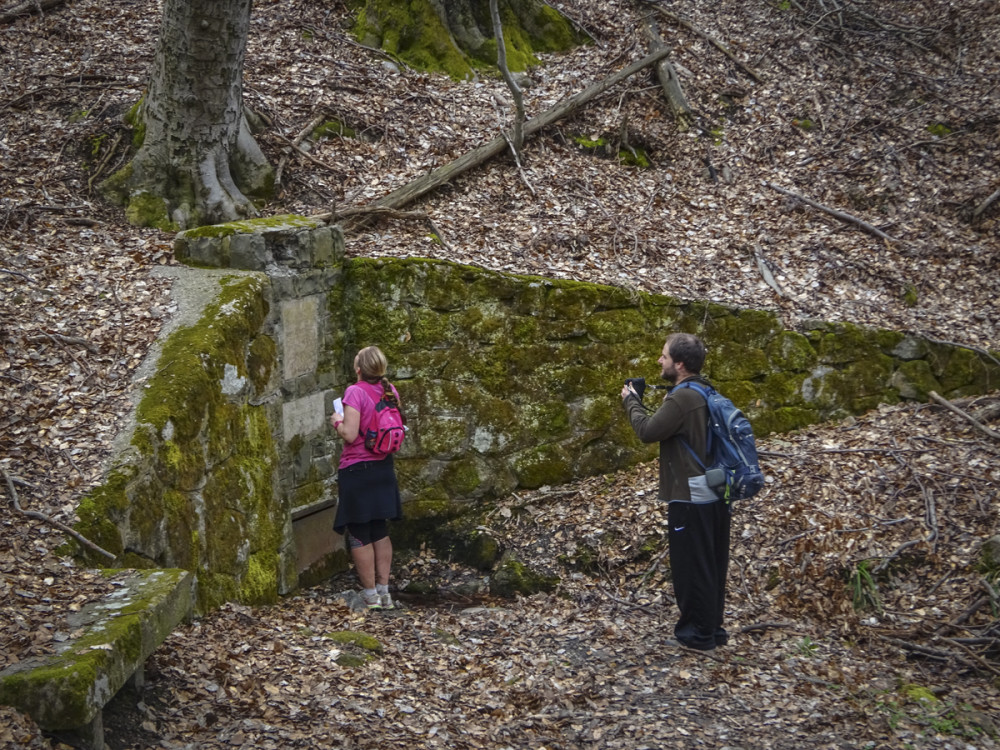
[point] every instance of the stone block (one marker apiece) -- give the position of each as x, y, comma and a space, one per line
303, 416
68, 689
300, 336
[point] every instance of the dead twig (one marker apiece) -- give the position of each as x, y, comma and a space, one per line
517, 135
765, 271
296, 144
975, 422
669, 81
73, 340
760, 627
18, 273
840, 215
977, 349
33, 514
100, 169
711, 40
985, 204
297, 149
62, 346
652, 569
27, 8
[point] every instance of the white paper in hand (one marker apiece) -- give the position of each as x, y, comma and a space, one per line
338, 406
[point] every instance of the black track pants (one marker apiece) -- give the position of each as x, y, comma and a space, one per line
699, 560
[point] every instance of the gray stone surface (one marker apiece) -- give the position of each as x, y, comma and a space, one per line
68, 689
303, 416
300, 336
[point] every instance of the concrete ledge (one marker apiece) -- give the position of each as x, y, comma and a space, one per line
68, 689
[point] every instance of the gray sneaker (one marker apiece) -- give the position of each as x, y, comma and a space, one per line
371, 602
386, 601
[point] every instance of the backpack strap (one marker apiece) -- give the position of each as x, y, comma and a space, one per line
378, 391
705, 392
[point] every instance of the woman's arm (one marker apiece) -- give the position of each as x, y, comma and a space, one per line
349, 427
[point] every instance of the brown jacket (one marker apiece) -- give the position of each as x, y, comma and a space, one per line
683, 414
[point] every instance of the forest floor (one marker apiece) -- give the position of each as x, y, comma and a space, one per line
860, 614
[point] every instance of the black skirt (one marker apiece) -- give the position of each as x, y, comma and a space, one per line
368, 492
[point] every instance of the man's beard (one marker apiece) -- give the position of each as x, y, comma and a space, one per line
669, 375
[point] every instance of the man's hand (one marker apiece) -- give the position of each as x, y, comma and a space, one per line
628, 390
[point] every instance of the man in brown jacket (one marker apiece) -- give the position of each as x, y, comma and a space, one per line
698, 520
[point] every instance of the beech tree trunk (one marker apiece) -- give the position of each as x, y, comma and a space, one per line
198, 162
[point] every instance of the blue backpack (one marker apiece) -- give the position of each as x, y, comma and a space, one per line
734, 472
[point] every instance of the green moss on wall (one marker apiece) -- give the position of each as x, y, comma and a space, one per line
543, 465
791, 351
460, 477
846, 343
201, 493
734, 360
915, 380
261, 362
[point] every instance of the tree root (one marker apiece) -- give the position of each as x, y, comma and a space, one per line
51, 521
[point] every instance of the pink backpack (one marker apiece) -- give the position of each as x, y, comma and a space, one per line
385, 431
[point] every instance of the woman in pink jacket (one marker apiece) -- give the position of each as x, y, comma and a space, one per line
369, 493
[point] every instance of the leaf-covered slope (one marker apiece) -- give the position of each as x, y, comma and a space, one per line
890, 115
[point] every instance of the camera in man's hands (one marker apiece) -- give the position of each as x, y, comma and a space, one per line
638, 385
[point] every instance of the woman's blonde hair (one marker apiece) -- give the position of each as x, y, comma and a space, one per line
372, 363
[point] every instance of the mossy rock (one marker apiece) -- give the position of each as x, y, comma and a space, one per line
356, 648
989, 558
477, 548
513, 577
363, 641
462, 43
915, 380
791, 351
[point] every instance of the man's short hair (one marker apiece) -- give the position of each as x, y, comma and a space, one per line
688, 349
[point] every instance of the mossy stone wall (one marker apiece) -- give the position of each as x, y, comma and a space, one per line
507, 382
512, 381
212, 469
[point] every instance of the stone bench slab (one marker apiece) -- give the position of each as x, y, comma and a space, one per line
67, 690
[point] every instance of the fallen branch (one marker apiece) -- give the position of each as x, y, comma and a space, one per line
296, 145
845, 217
669, 82
28, 7
51, 521
710, 39
765, 271
985, 204
443, 174
979, 425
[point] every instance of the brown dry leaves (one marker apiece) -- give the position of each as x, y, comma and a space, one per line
79, 306
589, 666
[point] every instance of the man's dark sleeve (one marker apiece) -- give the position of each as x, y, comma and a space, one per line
652, 428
